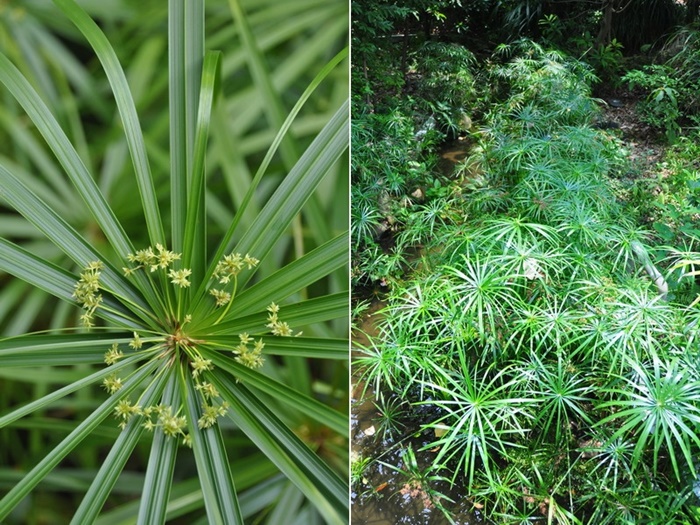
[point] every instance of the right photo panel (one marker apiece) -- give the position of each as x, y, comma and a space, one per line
525, 209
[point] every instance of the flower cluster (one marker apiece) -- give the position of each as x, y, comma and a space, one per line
179, 277
199, 365
247, 356
86, 291
248, 352
160, 258
112, 383
226, 269
211, 414
231, 265
173, 425
222, 297
276, 326
113, 354
136, 342
149, 258
210, 411
125, 410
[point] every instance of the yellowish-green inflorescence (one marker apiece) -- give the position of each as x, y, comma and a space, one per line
175, 345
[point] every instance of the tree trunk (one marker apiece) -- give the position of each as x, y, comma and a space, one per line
603, 38
368, 99
691, 11
404, 53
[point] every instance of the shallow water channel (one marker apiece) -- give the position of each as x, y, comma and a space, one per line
387, 496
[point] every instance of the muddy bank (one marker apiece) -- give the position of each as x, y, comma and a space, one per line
393, 490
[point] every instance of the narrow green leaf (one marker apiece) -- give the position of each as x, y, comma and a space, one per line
294, 277
45, 122
272, 103
53, 458
317, 310
54, 185
194, 248
309, 347
305, 404
296, 188
194, 54
212, 462
64, 236
161, 464
324, 488
36, 271
35, 66
273, 106
113, 464
178, 133
289, 504
127, 110
226, 241
57, 350
68, 389
54, 280
78, 73
255, 471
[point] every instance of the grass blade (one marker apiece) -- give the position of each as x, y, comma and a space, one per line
127, 110
309, 347
316, 310
107, 476
295, 276
161, 464
57, 350
68, 389
227, 239
40, 114
178, 133
260, 71
297, 187
313, 477
194, 248
54, 280
212, 462
62, 234
82, 180
51, 460
307, 405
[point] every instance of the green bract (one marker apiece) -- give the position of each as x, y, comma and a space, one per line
187, 313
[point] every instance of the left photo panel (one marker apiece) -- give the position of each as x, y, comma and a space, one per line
174, 305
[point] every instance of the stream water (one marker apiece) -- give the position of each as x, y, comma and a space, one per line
387, 496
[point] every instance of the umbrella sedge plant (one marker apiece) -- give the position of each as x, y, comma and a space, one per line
180, 331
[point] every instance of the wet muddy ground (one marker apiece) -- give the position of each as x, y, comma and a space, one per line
386, 495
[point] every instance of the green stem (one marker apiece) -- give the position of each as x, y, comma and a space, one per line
233, 296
